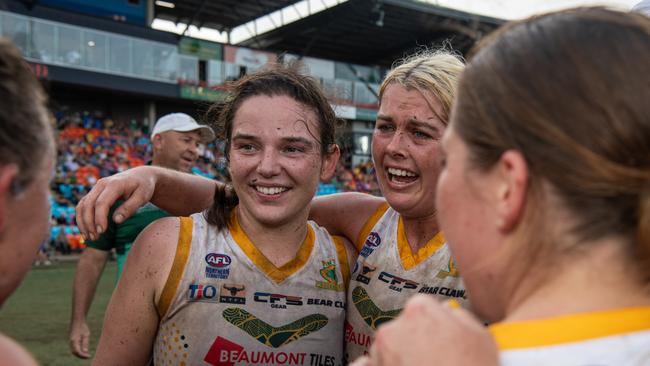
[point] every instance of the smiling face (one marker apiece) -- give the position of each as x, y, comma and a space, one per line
405, 149
275, 159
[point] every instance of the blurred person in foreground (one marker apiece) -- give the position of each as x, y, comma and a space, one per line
176, 138
26, 164
548, 155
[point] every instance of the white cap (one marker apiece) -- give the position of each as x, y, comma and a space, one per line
181, 122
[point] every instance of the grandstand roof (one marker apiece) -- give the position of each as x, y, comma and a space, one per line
368, 32
222, 15
375, 31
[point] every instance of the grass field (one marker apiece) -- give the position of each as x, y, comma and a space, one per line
38, 313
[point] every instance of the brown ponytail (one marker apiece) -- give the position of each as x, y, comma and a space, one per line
225, 200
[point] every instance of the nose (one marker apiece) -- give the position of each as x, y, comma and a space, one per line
396, 147
268, 165
193, 148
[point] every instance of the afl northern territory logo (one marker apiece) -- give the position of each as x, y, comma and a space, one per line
217, 265
372, 242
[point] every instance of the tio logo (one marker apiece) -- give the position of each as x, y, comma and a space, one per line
202, 292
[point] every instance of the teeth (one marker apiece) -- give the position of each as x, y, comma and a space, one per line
270, 190
400, 172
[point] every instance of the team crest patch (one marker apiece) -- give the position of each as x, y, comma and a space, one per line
372, 242
452, 270
218, 266
328, 272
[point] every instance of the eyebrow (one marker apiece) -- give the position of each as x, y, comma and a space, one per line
242, 136
411, 122
385, 117
421, 124
301, 140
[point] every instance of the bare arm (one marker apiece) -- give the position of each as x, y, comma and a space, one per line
183, 194
11, 353
175, 192
131, 320
89, 270
344, 214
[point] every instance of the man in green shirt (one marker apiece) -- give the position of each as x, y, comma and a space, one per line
175, 139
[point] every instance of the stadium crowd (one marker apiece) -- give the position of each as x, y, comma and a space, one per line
90, 148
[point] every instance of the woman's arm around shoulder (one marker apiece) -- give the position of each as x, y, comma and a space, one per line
344, 214
131, 320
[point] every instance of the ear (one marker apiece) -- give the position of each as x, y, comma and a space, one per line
157, 142
512, 189
7, 175
329, 162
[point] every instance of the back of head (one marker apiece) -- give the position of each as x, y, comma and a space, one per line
435, 72
24, 131
277, 81
571, 91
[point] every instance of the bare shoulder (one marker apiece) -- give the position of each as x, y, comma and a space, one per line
157, 241
153, 253
344, 214
11, 353
348, 200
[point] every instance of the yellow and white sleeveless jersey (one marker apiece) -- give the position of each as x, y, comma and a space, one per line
608, 338
224, 303
387, 274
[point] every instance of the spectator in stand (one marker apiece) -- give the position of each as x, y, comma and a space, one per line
176, 138
26, 164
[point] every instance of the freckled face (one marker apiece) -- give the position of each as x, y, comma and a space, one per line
275, 159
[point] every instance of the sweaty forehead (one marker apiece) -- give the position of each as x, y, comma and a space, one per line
281, 116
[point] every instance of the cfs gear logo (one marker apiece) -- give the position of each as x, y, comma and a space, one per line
452, 270
372, 242
278, 301
199, 292
218, 266
366, 272
396, 283
328, 272
232, 293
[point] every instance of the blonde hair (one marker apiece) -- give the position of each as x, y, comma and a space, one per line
433, 71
